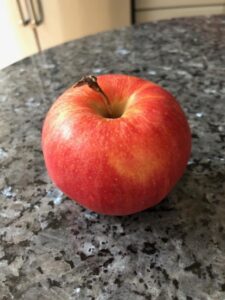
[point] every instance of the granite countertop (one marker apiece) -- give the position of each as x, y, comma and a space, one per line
50, 247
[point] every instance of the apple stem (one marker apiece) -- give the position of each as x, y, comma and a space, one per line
91, 81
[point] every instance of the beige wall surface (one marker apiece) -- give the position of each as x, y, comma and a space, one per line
176, 3
152, 10
161, 14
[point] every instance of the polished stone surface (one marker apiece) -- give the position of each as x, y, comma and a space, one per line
51, 248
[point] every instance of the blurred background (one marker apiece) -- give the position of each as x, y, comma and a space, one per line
30, 26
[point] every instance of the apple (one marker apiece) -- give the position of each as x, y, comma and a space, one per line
116, 144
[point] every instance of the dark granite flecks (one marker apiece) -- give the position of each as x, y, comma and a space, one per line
50, 247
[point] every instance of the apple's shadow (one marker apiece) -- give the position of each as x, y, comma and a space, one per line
192, 213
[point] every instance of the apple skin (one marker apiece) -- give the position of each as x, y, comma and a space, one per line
116, 166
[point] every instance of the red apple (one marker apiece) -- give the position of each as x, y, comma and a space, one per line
117, 148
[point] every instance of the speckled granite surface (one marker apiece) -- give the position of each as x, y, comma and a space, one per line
51, 248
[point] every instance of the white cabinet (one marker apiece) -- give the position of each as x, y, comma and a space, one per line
151, 10
58, 21
69, 19
17, 41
